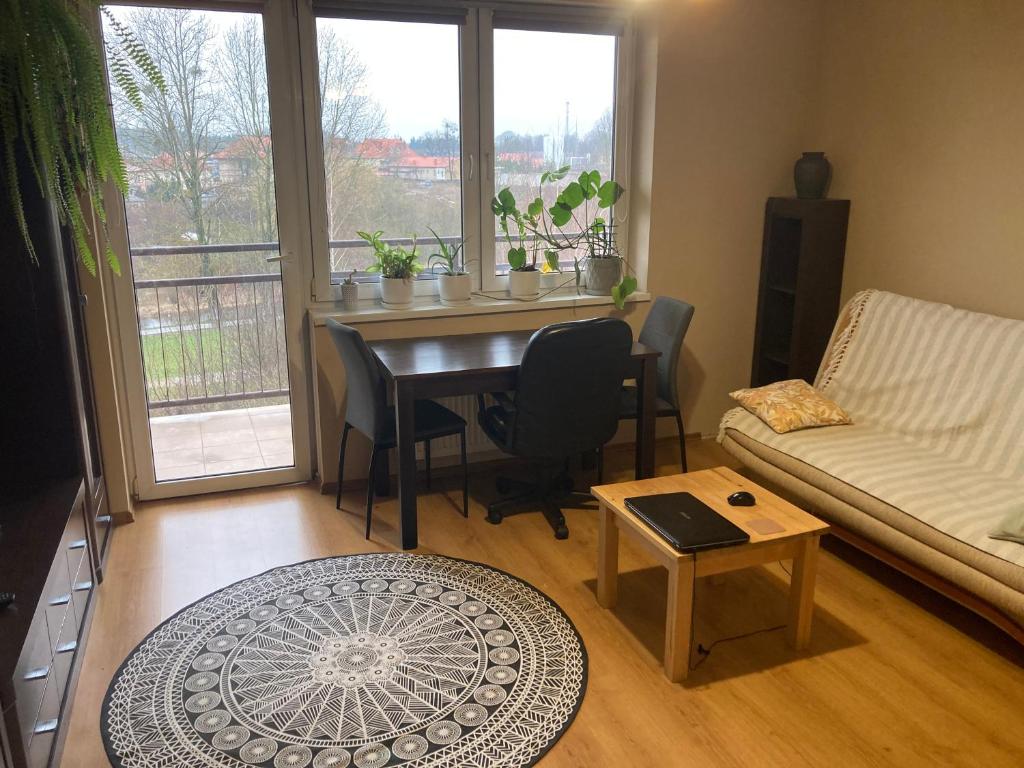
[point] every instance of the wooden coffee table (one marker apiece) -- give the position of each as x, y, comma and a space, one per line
795, 536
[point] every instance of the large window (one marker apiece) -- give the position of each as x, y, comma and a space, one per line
568, 118
390, 115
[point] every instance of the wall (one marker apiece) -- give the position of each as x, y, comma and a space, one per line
921, 109
735, 79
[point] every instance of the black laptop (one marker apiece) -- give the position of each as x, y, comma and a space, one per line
686, 522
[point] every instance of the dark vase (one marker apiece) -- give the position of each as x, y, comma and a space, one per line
812, 173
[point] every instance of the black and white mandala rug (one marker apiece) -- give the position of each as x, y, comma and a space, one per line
366, 660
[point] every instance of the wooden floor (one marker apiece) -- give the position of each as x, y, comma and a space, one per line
894, 675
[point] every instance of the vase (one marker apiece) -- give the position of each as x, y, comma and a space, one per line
455, 290
603, 275
396, 292
524, 284
811, 174
350, 296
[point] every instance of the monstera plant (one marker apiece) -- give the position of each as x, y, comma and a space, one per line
54, 108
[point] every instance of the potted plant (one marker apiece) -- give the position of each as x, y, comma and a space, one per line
350, 292
523, 275
397, 268
571, 224
454, 283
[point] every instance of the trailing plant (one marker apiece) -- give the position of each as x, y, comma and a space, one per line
448, 257
572, 223
53, 101
392, 261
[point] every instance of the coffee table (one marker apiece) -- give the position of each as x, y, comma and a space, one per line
778, 531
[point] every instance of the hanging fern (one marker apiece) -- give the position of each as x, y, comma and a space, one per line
53, 98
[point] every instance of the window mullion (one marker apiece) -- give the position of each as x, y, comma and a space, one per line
485, 26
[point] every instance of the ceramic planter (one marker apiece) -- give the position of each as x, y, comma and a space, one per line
396, 292
603, 275
455, 289
350, 296
524, 284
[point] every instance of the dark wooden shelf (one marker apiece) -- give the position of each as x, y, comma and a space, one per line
801, 280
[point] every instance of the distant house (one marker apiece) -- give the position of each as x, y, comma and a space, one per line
395, 158
238, 159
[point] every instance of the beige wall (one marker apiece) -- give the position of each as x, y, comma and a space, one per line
921, 109
735, 79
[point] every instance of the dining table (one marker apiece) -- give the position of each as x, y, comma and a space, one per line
478, 363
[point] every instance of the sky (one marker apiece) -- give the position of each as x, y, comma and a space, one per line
412, 72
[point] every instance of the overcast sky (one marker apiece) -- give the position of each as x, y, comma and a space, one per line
412, 72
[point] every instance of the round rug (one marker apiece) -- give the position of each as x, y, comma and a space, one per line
365, 660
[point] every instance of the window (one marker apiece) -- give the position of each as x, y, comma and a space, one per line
390, 119
567, 120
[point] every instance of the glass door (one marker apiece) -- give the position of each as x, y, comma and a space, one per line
209, 377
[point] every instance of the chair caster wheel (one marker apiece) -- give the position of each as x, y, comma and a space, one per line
503, 485
561, 532
494, 518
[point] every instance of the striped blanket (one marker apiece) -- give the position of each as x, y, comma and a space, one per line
936, 395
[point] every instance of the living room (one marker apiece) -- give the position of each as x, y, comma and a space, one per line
897, 643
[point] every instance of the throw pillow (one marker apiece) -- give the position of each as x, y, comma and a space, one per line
1011, 528
786, 406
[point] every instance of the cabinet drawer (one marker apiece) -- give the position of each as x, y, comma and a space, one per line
56, 598
60, 669
45, 728
31, 673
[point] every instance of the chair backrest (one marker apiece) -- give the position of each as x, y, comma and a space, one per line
664, 330
366, 396
567, 396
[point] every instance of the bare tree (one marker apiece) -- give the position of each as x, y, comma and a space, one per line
176, 123
242, 64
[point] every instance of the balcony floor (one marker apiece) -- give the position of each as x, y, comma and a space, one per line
219, 442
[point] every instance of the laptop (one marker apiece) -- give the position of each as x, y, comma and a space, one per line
686, 522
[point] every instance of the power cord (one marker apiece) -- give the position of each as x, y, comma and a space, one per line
705, 652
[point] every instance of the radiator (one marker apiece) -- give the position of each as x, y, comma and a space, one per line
476, 441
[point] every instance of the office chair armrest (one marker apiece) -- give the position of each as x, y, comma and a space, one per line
505, 401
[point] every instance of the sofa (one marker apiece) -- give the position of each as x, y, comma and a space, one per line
934, 458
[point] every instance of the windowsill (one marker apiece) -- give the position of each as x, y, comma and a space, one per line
371, 311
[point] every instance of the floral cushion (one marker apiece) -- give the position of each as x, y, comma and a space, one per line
786, 406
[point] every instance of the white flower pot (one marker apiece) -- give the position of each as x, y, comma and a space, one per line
350, 296
455, 289
524, 285
396, 292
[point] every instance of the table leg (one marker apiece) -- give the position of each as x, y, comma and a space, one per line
801, 593
679, 619
405, 399
646, 414
607, 558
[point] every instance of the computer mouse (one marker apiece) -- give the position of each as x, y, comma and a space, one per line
742, 499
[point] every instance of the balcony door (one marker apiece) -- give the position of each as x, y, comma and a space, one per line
209, 301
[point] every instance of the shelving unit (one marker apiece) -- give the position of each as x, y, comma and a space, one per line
801, 280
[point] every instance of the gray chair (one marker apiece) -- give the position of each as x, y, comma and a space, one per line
367, 411
664, 330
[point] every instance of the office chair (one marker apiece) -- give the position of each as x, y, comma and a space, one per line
566, 404
367, 411
663, 330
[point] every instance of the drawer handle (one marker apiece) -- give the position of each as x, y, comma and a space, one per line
62, 600
67, 647
103, 519
82, 586
80, 544
37, 674
47, 726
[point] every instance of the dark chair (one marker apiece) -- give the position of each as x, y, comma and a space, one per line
566, 404
367, 411
664, 330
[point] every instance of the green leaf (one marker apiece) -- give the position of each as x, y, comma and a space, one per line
622, 290
517, 258
535, 208
507, 201
608, 194
590, 181
572, 195
560, 214
551, 257
558, 175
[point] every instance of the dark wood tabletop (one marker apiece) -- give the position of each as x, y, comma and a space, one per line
430, 357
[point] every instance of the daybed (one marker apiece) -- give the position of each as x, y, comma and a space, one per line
934, 459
